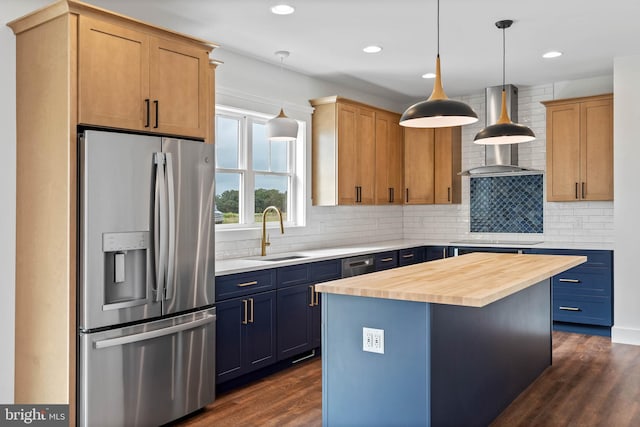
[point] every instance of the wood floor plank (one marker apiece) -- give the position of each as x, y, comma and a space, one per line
591, 383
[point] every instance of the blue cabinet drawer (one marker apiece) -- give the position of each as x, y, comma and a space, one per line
597, 260
386, 260
326, 270
237, 285
293, 275
583, 309
411, 256
574, 282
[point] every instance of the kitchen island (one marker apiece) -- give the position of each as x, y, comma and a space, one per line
462, 338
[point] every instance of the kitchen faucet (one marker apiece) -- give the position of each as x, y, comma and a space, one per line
265, 239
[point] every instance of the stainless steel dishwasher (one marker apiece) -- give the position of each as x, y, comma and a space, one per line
356, 266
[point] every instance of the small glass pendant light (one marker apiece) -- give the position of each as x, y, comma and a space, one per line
281, 127
438, 110
504, 131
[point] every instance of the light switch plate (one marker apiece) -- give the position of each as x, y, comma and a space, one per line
373, 340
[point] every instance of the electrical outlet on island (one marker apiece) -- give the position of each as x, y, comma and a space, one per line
373, 340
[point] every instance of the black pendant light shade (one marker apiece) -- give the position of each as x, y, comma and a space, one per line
435, 113
438, 111
504, 131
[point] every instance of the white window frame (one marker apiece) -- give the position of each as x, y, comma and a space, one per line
246, 119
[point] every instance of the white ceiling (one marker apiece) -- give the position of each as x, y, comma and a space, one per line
326, 37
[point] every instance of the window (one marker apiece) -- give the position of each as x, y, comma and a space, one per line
251, 171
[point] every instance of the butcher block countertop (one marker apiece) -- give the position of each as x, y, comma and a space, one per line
473, 280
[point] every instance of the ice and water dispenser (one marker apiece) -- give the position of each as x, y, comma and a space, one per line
125, 268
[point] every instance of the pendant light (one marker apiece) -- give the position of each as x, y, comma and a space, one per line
504, 131
438, 110
281, 127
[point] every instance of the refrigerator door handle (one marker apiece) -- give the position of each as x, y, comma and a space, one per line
172, 228
159, 244
143, 336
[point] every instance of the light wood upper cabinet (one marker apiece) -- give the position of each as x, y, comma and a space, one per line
389, 157
419, 164
343, 152
432, 160
448, 162
580, 149
130, 79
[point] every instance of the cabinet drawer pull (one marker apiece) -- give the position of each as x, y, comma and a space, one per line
408, 256
317, 294
569, 280
251, 315
240, 285
311, 299
244, 306
156, 104
147, 104
386, 259
569, 308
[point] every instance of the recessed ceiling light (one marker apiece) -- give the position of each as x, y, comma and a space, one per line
429, 76
372, 49
552, 54
282, 9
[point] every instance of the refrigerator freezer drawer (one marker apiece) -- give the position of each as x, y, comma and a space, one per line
147, 374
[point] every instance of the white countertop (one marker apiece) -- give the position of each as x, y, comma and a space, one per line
242, 265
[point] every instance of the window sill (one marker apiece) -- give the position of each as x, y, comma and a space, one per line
228, 234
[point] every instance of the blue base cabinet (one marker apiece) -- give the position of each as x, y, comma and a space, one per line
583, 295
245, 324
410, 256
299, 318
432, 253
245, 335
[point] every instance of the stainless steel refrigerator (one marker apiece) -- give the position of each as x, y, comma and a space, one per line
146, 321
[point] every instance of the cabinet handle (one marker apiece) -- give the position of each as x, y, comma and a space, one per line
241, 285
569, 308
408, 256
576, 190
386, 259
244, 304
317, 294
311, 299
444, 253
251, 316
390, 195
569, 280
448, 194
157, 105
583, 191
148, 118
407, 195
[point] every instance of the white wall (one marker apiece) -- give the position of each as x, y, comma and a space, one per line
626, 312
9, 11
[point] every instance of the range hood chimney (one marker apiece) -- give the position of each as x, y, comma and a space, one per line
500, 159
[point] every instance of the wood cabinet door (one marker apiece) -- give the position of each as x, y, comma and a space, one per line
596, 150
418, 166
178, 88
447, 164
347, 154
389, 152
366, 156
113, 75
563, 152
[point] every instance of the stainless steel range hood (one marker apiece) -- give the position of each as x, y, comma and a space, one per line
500, 159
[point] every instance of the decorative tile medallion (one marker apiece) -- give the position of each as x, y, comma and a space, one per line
507, 204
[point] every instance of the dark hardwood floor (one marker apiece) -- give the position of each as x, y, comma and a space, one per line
591, 383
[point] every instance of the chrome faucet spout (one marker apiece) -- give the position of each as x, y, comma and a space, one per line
265, 240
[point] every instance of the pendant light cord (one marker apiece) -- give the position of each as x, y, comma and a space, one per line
281, 82
504, 55
438, 26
